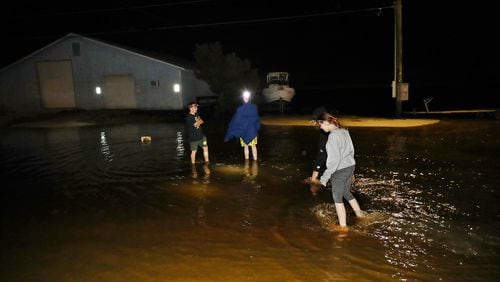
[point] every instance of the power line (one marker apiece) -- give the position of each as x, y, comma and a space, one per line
105, 10
273, 19
250, 21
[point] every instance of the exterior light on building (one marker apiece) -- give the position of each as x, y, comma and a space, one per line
98, 90
177, 88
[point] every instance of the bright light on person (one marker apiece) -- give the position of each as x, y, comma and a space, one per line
177, 88
246, 94
98, 90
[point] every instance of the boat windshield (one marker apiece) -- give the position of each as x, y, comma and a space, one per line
277, 78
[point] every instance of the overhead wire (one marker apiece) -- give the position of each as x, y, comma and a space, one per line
106, 10
224, 23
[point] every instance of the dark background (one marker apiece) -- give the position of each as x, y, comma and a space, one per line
338, 53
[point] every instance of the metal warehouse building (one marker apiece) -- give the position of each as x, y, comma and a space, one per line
78, 72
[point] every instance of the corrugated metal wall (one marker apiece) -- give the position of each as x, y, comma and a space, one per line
65, 75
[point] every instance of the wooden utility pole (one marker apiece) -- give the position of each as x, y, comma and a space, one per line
398, 55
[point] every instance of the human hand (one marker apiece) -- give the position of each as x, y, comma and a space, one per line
307, 180
314, 189
316, 182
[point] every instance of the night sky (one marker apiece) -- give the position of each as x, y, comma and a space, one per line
337, 52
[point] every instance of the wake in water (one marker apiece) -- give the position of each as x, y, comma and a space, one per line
327, 217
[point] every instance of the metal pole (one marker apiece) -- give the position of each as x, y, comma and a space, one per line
398, 54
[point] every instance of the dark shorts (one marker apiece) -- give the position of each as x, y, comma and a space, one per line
199, 143
341, 181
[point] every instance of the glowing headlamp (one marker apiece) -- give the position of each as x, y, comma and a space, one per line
246, 95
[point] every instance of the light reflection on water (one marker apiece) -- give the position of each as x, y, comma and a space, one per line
105, 150
74, 192
180, 144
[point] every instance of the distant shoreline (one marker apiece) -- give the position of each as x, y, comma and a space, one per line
91, 118
349, 121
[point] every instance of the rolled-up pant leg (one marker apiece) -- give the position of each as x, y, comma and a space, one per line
341, 184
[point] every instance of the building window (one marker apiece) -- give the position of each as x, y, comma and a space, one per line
76, 49
155, 83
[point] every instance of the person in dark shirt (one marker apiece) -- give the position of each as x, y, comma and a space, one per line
319, 163
320, 160
196, 137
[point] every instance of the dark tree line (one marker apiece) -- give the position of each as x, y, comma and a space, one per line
227, 74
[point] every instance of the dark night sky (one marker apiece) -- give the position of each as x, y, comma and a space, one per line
334, 47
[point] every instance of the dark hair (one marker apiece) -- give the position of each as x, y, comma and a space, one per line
318, 112
192, 103
331, 119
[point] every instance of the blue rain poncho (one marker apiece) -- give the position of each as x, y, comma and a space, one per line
245, 123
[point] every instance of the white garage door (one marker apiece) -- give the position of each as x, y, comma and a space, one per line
56, 84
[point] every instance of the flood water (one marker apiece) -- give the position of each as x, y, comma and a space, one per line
95, 204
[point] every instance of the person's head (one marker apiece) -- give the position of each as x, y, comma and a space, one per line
327, 122
193, 107
318, 111
246, 96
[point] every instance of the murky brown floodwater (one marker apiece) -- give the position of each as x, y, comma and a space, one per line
94, 204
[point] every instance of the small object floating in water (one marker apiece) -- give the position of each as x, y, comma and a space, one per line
145, 139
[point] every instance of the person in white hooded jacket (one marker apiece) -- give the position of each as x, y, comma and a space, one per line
340, 166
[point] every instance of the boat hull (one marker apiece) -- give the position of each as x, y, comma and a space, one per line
282, 93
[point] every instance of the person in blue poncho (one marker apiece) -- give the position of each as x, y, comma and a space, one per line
245, 125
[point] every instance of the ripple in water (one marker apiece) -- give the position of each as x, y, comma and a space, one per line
415, 226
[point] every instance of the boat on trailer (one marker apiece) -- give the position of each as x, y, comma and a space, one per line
278, 88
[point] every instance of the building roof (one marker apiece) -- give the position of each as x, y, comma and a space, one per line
159, 57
